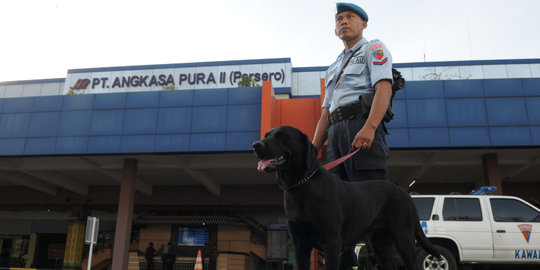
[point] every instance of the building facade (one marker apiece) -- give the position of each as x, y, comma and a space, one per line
162, 153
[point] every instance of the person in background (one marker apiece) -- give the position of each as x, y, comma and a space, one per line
160, 250
149, 255
168, 257
214, 253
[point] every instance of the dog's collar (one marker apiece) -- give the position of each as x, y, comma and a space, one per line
299, 183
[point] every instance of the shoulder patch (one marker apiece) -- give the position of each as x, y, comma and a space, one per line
375, 46
379, 54
380, 62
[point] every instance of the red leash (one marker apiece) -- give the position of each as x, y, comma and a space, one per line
340, 160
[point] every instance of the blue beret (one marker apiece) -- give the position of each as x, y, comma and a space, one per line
340, 7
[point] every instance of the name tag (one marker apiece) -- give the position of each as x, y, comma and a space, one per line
358, 60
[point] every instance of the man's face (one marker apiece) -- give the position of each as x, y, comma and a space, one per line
349, 26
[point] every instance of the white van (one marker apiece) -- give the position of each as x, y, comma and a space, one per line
479, 229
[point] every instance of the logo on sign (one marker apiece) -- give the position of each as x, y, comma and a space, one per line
526, 230
80, 84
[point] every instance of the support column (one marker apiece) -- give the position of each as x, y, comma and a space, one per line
125, 215
267, 108
492, 174
314, 259
31, 250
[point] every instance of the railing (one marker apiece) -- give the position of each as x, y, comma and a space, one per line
158, 265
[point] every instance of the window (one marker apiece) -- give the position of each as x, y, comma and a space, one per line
192, 236
14, 250
424, 207
462, 209
510, 210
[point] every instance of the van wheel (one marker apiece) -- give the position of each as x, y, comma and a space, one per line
426, 261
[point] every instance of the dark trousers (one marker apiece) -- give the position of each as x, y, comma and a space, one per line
149, 264
168, 265
212, 264
364, 165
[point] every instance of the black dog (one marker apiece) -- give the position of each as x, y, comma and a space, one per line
331, 214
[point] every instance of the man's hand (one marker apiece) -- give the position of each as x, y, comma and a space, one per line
364, 138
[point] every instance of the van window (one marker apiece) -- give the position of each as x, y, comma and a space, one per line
462, 209
424, 206
510, 210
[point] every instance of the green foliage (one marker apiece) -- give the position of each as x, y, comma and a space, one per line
168, 87
73, 91
247, 82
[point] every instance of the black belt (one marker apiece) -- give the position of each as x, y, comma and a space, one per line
344, 112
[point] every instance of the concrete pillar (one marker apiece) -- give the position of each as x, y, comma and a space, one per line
492, 174
125, 215
314, 259
31, 250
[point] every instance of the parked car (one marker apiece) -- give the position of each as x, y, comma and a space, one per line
479, 229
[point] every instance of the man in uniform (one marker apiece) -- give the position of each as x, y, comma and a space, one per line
362, 68
358, 93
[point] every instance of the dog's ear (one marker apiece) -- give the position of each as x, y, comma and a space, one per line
311, 151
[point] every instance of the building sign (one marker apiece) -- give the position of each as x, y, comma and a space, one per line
192, 236
276, 241
169, 77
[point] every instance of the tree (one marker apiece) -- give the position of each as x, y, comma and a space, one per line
168, 87
246, 81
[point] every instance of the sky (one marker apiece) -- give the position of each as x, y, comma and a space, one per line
42, 39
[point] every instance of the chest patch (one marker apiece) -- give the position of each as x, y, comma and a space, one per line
358, 60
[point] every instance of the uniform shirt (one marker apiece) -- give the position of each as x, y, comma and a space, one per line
372, 63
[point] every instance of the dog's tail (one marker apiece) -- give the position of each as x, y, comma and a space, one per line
425, 243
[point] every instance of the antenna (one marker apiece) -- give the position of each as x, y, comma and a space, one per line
468, 35
424, 48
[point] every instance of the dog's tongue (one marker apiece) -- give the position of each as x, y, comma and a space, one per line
263, 164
